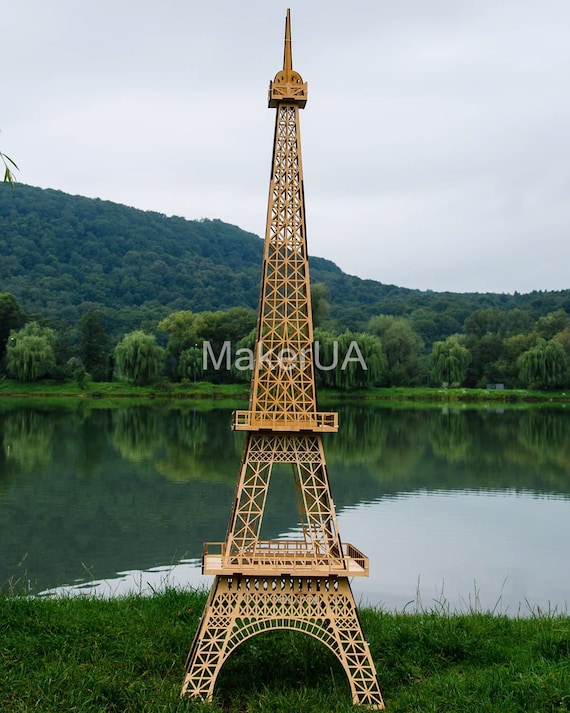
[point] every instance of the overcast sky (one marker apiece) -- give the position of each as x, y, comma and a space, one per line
436, 138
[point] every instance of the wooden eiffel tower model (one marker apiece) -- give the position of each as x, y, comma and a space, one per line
263, 585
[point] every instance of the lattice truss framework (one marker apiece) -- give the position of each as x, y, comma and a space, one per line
316, 508
239, 608
283, 584
283, 378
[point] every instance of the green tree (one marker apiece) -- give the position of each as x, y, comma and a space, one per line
485, 321
30, 353
244, 356
401, 345
219, 332
190, 364
516, 344
76, 370
11, 317
187, 333
94, 346
424, 322
517, 321
139, 359
349, 360
361, 350
563, 338
544, 366
180, 327
486, 358
513, 347
320, 302
449, 361
224, 326
552, 323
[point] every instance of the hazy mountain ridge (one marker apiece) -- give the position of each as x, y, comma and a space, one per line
65, 255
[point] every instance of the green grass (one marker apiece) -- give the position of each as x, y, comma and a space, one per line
423, 395
128, 655
48, 394
120, 389
239, 392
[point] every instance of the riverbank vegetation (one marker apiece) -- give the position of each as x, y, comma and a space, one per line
127, 654
219, 348
209, 393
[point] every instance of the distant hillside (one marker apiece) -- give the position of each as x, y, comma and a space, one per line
64, 255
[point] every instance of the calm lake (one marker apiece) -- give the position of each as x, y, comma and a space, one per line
455, 507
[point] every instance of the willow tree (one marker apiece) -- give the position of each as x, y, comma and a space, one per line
349, 360
30, 352
449, 361
139, 359
190, 365
363, 361
544, 366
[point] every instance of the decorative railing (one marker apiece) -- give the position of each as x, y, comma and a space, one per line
315, 422
284, 557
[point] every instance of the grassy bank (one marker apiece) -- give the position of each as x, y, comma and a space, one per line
118, 389
128, 654
207, 391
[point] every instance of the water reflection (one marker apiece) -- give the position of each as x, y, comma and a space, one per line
86, 493
450, 436
27, 438
138, 433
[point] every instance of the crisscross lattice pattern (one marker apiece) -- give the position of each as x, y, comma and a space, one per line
239, 608
283, 385
283, 584
318, 518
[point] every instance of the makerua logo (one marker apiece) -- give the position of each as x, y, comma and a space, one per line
286, 359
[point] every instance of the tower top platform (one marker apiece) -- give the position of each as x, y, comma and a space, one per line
288, 85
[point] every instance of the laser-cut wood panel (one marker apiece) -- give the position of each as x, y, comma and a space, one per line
262, 585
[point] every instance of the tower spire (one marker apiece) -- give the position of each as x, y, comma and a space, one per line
288, 84
288, 53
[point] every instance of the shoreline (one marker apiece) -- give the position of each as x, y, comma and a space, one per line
207, 391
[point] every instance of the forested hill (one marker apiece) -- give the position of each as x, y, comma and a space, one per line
63, 256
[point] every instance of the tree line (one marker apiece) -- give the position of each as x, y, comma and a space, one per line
494, 346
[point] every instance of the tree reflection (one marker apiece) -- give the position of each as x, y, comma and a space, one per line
138, 433
545, 436
182, 444
28, 439
450, 437
200, 446
380, 451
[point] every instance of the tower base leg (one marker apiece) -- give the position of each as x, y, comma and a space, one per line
240, 607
